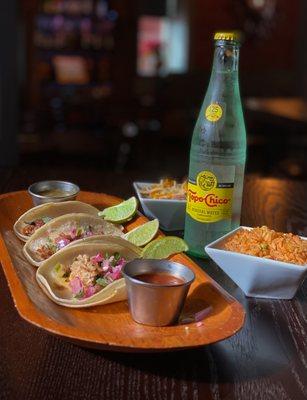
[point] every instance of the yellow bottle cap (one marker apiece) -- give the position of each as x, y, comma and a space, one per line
231, 36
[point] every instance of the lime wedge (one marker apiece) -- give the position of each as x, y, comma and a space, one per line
164, 247
143, 234
121, 212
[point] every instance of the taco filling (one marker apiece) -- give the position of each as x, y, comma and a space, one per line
87, 275
59, 239
30, 227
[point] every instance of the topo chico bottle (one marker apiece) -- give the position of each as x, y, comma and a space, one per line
218, 152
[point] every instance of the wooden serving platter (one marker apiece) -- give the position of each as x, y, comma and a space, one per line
110, 327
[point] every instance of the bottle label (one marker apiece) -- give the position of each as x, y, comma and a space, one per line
208, 199
214, 112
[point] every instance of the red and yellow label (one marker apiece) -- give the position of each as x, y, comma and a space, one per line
207, 200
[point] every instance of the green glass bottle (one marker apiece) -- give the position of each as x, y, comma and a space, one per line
218, 152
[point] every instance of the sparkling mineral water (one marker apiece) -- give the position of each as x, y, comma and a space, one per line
218, 152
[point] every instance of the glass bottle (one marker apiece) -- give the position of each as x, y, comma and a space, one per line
218, 152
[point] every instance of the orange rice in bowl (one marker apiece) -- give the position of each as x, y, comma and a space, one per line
267, 243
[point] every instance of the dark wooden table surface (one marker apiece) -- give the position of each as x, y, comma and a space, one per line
267, 359
291, 108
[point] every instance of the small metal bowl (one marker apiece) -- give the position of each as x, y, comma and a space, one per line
156, 304
62, 191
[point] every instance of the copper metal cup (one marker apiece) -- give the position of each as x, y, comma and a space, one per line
151, 303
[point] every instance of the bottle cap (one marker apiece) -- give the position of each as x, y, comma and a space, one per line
229, 36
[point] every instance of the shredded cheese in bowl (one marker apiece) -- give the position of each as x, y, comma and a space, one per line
165, 189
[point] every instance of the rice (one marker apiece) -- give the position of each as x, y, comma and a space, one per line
267, 243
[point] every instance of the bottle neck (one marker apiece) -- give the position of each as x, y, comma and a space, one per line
226, 58
224, 80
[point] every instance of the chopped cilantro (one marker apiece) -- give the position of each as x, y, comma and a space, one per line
60, 270
58, 267
46, 219
115, 260
50, 245
79, 231
80, 294
102, 282
117, 256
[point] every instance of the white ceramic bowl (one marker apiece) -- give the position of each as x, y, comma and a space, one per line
257, 276
170, 213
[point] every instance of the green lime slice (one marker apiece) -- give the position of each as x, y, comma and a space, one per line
143, 234
164, 247
121, 212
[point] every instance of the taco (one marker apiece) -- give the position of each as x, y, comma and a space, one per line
87, 274
64, 230
36, 217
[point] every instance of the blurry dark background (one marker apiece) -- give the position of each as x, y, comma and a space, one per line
118, 84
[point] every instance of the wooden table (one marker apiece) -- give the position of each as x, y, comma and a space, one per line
277, 135
291, 108
267, 359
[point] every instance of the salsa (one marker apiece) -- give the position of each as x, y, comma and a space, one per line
160, 278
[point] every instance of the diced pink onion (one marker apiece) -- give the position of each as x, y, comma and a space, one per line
108, 277
73, 233
116, 272
76, 285
106, 265
97, 258
90, 291
62, 243
121, 263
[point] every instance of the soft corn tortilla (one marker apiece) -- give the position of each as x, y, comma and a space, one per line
54, 227
59, 291
51, 210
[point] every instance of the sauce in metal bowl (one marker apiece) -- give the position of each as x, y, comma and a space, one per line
53, 191
160, 278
